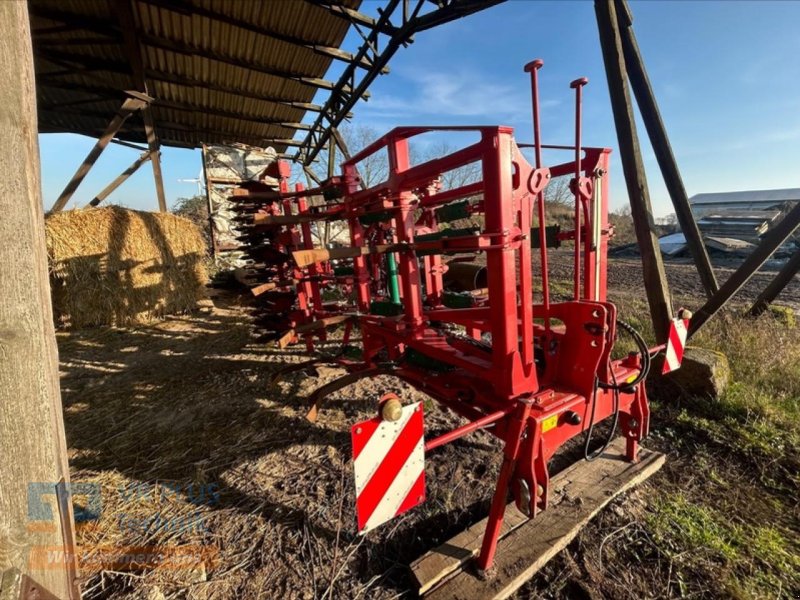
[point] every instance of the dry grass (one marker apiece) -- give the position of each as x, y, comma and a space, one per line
114, 266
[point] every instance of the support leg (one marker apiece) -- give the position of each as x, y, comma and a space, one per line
510, 454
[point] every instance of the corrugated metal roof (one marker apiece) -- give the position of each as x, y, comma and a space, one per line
748, 197
216, 73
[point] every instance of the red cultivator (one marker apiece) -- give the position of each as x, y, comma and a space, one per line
534, 374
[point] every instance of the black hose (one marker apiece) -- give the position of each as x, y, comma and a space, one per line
616, 388
644, 352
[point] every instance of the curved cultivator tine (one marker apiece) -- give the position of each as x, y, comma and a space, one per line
320, 393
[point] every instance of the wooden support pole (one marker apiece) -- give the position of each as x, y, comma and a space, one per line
775, 287
648, 108
331, 157
129, 106
121, 178
133, 50
36, 520
655, 280
769, 243
312, 176
155, 157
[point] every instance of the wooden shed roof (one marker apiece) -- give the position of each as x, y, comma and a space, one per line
219, 70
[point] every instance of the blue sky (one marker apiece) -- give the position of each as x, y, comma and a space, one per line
726, 76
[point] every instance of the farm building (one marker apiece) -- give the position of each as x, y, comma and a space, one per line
746, 215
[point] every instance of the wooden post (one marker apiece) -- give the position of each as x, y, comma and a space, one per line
155, 157
121, 178
133, 49
331, 157
33, 454
655, 280
775, 287
648, 107
770, 242
129, 106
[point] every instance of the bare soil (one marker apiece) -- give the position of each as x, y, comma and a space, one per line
188, 405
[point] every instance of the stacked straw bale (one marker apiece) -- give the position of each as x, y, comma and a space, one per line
119, 267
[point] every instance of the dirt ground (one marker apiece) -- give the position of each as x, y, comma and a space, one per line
198, 453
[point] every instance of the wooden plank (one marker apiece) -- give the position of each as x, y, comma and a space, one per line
775, 287
33, 449
655, 279
121, 178
433, 566
577, 495
651, 116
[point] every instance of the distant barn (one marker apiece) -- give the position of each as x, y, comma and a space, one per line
744, 215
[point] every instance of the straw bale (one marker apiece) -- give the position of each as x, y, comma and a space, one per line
120, 267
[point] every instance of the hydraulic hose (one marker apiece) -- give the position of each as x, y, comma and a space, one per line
616, 388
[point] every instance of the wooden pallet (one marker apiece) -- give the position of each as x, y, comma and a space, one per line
577, 494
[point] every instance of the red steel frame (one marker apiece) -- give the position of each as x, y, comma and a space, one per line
547, 375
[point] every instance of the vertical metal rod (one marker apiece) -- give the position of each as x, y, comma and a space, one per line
391, 274
577, 85
533, 68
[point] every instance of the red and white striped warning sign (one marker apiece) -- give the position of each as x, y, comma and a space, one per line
677, 340
389, 462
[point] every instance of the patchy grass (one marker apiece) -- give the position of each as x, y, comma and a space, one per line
750, 442
752, 560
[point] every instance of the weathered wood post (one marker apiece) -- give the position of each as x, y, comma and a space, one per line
33, 458
655, 279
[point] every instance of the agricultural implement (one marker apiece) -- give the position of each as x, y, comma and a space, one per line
501, 352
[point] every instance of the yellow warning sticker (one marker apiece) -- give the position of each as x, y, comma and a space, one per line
549, 423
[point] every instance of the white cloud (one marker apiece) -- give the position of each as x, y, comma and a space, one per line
450, 94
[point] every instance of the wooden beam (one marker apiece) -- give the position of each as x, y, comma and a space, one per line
120, 179
353, 16
155, 157
133, 50
183, 7
35, 508
187, 50
651, 116
775, 287
92, 63
128, 107
655, 280
129, 145
311, 176
773, 239
577, 495
179, 107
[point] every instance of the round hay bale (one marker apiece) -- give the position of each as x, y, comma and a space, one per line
120, 267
